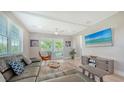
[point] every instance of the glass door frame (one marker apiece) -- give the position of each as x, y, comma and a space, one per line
53, 48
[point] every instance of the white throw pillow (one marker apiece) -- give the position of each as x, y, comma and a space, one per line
27, 60
2, 79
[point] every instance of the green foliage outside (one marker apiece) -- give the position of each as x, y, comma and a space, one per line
3, 48
15, 49
58, 45
46, 45
55, 46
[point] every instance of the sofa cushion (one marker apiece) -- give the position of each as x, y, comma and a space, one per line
34, 60
31, 79
2, 79
17, 67
28, 72
8, 74
27, 60
3, 65
4, 61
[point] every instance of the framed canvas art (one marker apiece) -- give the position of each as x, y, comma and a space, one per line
101, 38
68, 43
34, 43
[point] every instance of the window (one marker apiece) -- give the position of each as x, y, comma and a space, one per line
58, 48
3, 36
52, 45
10, 42
15, 46
46, 45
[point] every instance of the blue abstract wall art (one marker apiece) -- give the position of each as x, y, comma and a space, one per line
101, 38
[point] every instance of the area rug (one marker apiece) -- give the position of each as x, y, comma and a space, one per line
64, 76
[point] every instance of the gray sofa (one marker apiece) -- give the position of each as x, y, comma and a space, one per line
35, 72
29, 75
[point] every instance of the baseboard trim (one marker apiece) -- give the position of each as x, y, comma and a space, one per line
70, 57
119, 73
67, 57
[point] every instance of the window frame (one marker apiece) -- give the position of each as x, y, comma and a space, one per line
13, 38
4, 35
8, 23
53, 47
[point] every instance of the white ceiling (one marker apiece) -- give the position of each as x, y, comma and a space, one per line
64, 22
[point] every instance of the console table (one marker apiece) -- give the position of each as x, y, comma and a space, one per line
94, 72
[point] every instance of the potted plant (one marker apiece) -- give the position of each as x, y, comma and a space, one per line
72, 53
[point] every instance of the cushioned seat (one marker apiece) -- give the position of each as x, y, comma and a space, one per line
31, 79
28, 72
2, 79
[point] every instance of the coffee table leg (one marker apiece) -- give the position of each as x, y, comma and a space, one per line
83, 71
101, 79
93, 77
89, 74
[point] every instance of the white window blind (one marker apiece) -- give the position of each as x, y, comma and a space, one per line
3, 36
15, 45
10, 40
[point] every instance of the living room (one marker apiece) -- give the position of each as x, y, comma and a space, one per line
59, 33
66, 46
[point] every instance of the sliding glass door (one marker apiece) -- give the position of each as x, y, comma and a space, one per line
54, 46
46, 45
58, 48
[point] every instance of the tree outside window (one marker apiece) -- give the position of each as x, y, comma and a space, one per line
55, 46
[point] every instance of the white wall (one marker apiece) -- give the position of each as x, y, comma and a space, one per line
77, 45
25, 32
37, 36
116, 52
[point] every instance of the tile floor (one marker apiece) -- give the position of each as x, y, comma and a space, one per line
74, 64
107, 78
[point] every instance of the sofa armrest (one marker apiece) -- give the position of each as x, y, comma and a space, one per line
35, 60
